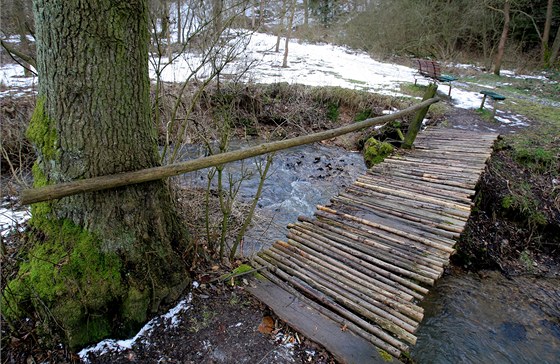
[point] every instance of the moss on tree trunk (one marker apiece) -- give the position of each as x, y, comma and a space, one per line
102, 261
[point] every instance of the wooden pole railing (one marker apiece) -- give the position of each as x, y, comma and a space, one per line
57, 191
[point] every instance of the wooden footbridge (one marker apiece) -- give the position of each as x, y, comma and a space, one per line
352, 277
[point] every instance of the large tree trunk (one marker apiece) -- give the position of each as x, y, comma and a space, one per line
503, 39
120, 253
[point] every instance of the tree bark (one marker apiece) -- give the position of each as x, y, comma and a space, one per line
280, 26
555, 51
546, 32
503, 39
179, 23
289, 33
93, 118
217, 8
306, 13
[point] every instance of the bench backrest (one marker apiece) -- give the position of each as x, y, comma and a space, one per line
429, 68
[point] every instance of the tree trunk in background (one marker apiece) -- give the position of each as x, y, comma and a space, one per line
123, 249
503, 39
254, 15
555, 51
20, 20
306, 13
289, 33
179, 23
280, 26
166, 15
217, 7
546, 32
261, 13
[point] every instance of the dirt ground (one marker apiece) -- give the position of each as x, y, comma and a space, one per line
218, 323
222, 324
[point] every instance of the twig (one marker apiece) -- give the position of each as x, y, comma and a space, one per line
230, 276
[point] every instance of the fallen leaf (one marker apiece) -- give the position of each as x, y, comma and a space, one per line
344, 328
267, 325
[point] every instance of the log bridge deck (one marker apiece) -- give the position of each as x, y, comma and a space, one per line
352, 277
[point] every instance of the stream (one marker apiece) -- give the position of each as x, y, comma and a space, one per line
299, 179
488, 318
469, 317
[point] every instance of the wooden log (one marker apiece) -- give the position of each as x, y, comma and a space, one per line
355, 304
416, 254
343, 342
365, 284
376, 249
380, 339
413, 196
431, 163
361, 217
414, 187
439, 181
313, 243
406, 270
446, 248
446, 214
344, 287
416, 123
415, 178
446, 230
334, 228
156, 173
355, 258
329, 225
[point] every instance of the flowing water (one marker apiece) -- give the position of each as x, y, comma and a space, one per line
469, 318
298, 180
488, 318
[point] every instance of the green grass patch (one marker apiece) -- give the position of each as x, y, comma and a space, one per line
412, 89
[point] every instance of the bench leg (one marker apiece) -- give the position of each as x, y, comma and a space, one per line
449, 93
483, 100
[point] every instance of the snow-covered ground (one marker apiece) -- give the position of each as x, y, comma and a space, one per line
309, 64
12, 220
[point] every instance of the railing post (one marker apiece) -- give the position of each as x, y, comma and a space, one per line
415, 125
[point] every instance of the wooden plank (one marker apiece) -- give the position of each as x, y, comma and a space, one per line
343, 344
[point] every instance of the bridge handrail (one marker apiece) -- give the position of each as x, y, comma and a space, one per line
93, 184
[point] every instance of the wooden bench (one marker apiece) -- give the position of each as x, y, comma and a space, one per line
432, 69
494, 96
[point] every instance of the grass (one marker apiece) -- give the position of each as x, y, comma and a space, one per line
515, 86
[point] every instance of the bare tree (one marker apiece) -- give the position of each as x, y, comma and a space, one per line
289, 32
546, 31
555, 50
503, 38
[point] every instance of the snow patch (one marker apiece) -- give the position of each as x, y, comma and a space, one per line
11, 220
112, 345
